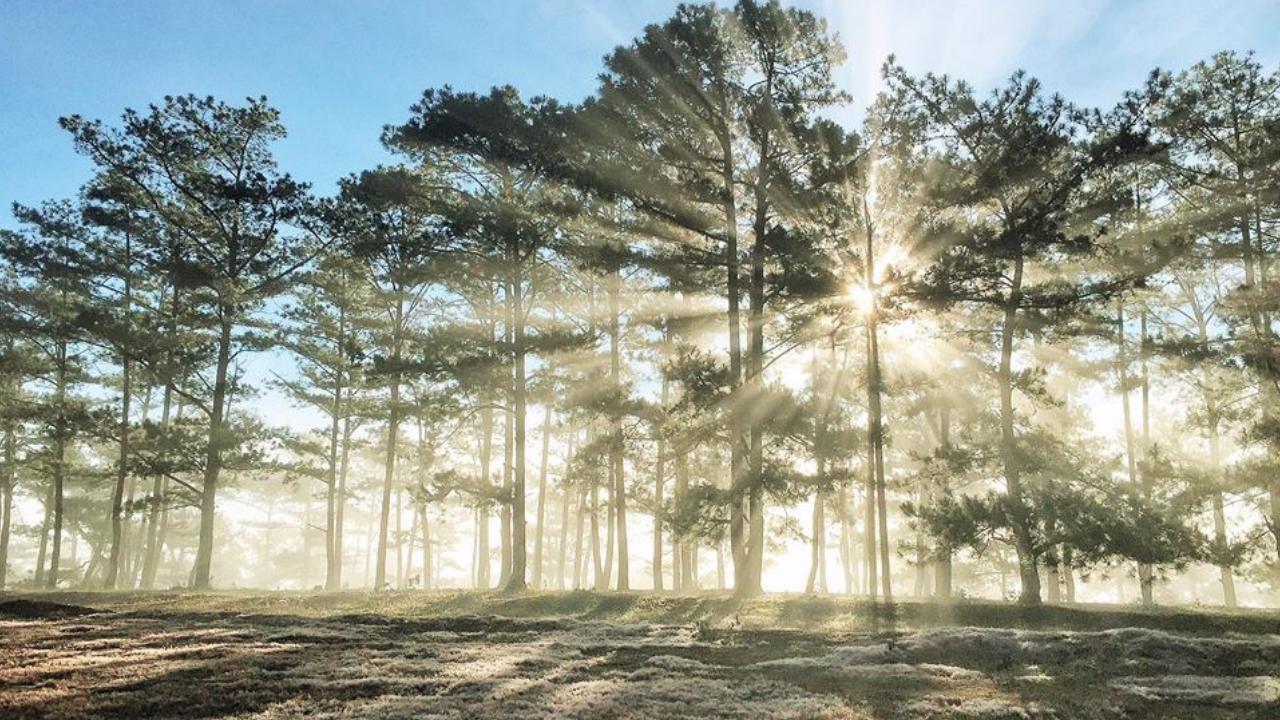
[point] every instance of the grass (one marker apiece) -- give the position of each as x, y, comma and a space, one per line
267, 655
795, 612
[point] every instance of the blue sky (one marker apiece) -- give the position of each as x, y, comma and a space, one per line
339, 71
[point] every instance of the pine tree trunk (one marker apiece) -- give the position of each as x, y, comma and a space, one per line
517, 579
1220, 521
597, 562
155, 509
1028, 569
660, 471
610, 535
426, 547
333, 556
817, 541
122, 464
687, 546
59, 462
482, 510
579, 558
846, 541
616, 446
876, 436
201, 577
540, 532
6, 510
393, 437
942, 555
397, 535
562, 550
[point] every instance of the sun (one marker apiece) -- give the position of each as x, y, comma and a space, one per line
863, 297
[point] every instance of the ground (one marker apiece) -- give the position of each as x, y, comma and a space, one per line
586, 655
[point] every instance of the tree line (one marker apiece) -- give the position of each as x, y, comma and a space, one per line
692, 301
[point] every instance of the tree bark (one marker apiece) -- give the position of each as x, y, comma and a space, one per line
542, 498
616, 447
6, 511
942, 559
201, 579
517, 580
1027, 561
333, 557
122, 465
660, 471
562, 549
393, 437
875, 424
59, 462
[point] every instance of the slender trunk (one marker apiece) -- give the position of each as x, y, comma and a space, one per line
869, 557
6, 512
540, 533
340, 512
396, 534
122, 464
597, 562
737, 517
579, 558
426, 546
504, 510
1146, 575
155, 509
59, 460
1027, 562
201, 578
748, 575
686, 545
720, 566
517, 580
616, 447
333, 557
393, 436
610, 535
1219, 518
562, 549
411, 538
482, 510
1130, 446
817, 541
508, 453
1068, 577
660, 471
368, 541
875, 430
921, 588
942, 554
1054, 591
846, 542
45, 525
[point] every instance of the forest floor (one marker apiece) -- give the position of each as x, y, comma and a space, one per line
606, 655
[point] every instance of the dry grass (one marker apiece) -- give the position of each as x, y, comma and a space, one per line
585, 655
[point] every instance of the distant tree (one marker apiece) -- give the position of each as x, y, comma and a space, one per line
1022, 172
328, 331
203, 170
392, 224
48, 310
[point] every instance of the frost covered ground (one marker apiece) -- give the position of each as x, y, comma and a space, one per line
600, 656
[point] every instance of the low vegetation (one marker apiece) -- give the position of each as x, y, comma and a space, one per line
584, 654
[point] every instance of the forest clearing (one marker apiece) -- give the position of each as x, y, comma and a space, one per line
640, 359
592, 655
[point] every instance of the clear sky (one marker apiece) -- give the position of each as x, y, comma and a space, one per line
340, 70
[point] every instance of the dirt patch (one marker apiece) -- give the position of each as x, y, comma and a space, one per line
249, 664
42, 610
